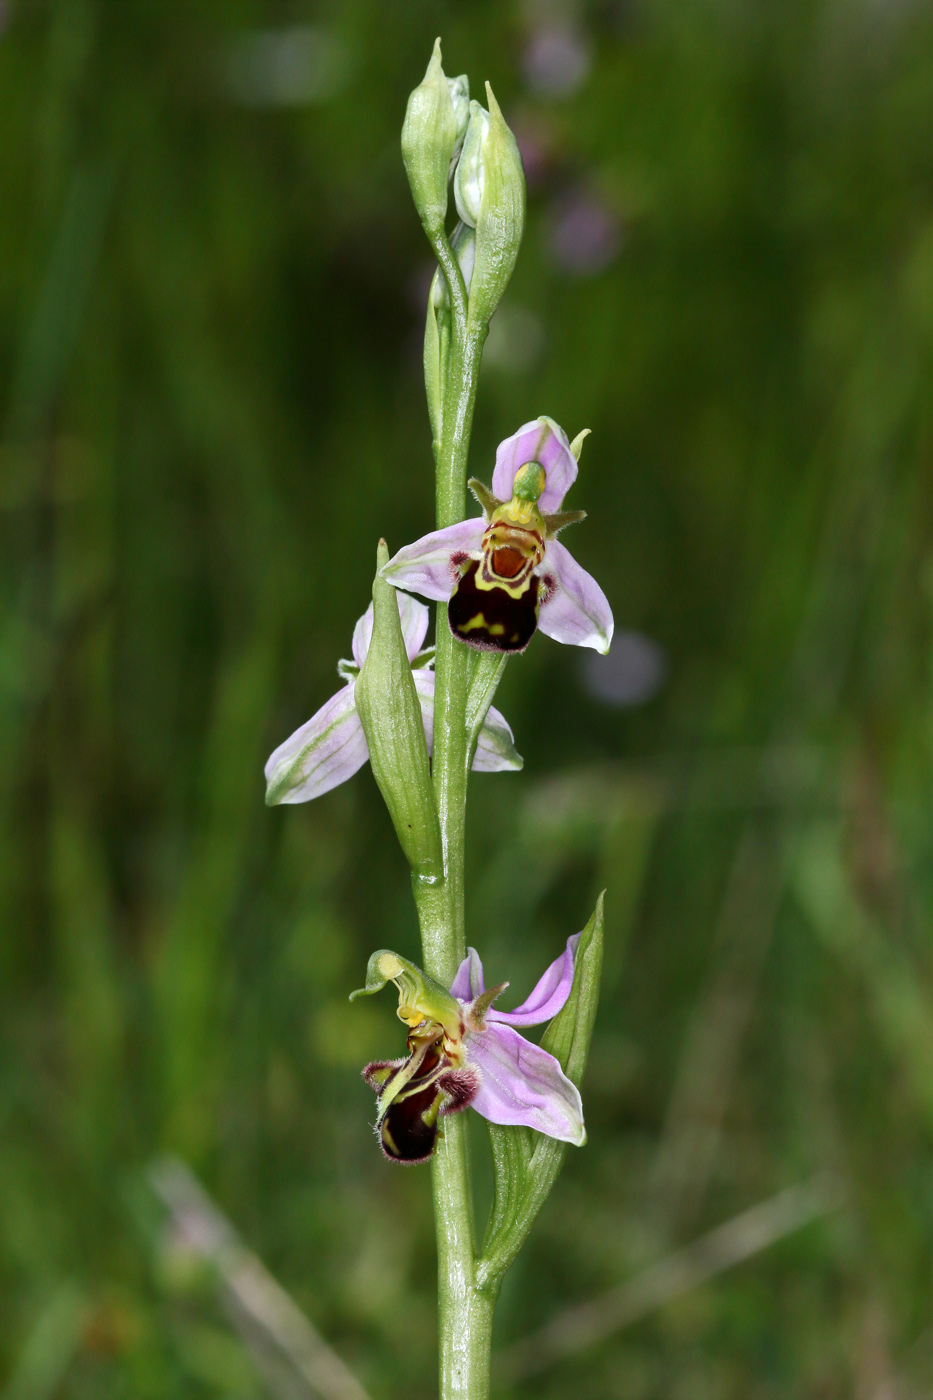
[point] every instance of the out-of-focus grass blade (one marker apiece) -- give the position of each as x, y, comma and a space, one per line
286, 1348
50, 1347
56, 322
676, 1274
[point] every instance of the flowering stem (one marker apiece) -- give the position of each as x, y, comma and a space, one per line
465, 1314
444, 943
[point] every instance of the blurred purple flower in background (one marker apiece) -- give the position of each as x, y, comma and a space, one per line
584, 235
296, 66
632, 672
557, 60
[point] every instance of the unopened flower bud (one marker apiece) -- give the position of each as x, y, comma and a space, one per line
489, 188
459, 89
469, 178
432, 130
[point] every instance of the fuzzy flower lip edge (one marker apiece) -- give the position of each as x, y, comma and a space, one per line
464, 1053
330, 747
574, 609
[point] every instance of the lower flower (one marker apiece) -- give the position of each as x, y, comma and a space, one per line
463, 1053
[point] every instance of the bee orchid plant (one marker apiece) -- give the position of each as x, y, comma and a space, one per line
424, 719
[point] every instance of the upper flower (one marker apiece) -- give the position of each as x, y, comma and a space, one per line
463, 1053
331, 746
505, 573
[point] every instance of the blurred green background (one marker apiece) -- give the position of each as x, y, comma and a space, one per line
211, 301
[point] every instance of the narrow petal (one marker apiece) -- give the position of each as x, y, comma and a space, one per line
324, 752
495, 751
541, 441
424, 684
549, 995
523, 1084
414, 619
468, 983
429, 566
576, 609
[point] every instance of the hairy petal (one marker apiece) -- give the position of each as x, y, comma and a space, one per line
468, 983
495, 751
549, 995
414, 618
329, 748
575, 609
425, 567
523, 1084
541, 441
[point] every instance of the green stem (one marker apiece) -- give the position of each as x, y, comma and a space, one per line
464, 1313
445, 947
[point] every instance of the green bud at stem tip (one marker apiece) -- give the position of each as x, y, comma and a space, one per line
430, 133
490, 190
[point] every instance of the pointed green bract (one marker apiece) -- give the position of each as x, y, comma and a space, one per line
436, 342
526, 1164
390, 712
568, 1036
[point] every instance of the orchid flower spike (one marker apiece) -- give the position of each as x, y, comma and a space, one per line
505, 573
331, 746
462, 1053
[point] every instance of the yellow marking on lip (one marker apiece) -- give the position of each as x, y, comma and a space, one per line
514, 590
478, 621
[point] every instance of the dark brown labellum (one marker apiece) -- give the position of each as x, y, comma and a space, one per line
407, 1129
493, 618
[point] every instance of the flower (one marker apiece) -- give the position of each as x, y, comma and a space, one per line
505, 573
331, 746
463, 1053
